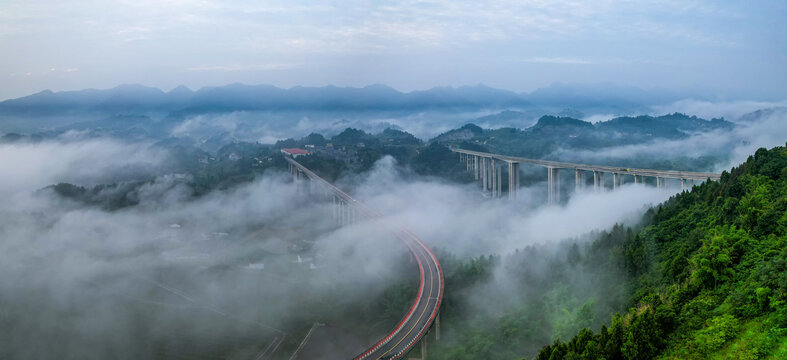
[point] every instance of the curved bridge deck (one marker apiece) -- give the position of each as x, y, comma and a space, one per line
422, 313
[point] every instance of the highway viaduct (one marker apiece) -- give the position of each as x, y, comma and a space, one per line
424, 312
487, 169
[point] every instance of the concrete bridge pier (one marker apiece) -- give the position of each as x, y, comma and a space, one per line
490, 176
595, 181
549, 185
335, 209
492, 185
499, 178
340, 212
513, 179
423, 348
579, 180
298, 178
682, 184
553, 185
484, 173
615, 179
475, 167
345, 214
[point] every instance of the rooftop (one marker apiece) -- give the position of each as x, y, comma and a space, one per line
295, 151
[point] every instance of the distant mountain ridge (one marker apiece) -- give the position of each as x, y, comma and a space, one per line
132, 97
259, 97
554, 132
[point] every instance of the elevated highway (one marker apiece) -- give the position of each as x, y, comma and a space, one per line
424, 310
487, 169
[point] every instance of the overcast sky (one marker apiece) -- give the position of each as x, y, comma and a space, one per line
737, 49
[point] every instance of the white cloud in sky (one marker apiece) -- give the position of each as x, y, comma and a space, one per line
408, 44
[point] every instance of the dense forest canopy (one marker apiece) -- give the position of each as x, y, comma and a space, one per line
709, 274
702, 275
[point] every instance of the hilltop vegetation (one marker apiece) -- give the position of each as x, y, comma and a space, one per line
704, 275
552, 134
709, 275
220, 162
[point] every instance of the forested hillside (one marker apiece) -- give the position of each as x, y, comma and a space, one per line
708, 275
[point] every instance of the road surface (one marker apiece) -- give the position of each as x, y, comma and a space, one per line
422, 313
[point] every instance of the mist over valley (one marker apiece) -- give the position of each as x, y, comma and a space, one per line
417, 180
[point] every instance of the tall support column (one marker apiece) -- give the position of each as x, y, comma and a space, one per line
484, 174
513, 179
579, 180
493, 176
499, 179
636, 179
333, 208
297, 179
475, 167
553, 185
658, 182
682, 184
549, 185
423, 348
595, 181
615, 177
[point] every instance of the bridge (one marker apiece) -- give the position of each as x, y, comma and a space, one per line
424, 312
487, 169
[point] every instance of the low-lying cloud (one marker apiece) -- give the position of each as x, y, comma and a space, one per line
729, 110
459, 219
231, 254
730, 147
30, 166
